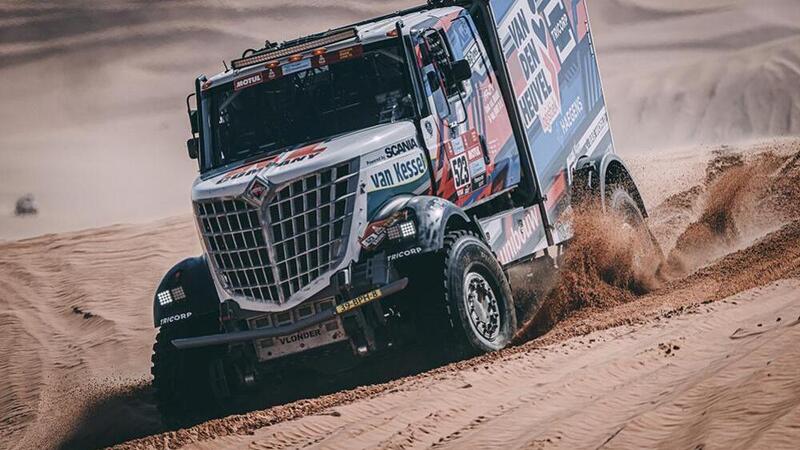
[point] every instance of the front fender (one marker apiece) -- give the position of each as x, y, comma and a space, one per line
435, 216
186, 291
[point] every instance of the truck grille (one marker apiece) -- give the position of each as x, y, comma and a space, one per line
235, 243
307, 223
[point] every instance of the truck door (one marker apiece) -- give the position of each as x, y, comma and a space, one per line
468, 132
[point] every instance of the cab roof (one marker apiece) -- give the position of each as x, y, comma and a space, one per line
365, 33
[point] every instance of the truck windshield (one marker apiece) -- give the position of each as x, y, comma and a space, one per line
370, 87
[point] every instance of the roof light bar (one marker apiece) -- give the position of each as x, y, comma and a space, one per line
268, 55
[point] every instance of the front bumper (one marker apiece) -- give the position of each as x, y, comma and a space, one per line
323, 316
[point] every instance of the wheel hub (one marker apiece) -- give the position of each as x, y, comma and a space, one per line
481, 305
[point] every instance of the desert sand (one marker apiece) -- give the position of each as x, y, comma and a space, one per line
705, 357
704, 98
717, 376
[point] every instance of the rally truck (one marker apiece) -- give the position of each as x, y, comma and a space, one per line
370, 186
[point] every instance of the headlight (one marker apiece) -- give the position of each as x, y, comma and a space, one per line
164, 298
401, 230
168, 296
178, 294
398, 226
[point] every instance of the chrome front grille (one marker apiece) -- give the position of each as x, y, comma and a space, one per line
309, 224
235, 243
306, 224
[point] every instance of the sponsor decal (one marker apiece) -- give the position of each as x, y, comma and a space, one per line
404, 254
478, 181
176, 318
375, 157
588, 143
400, 147
473, 55
560, 29
527, 227
285, 159
527, 33
373, 238
457, 145
350, 52
574, 114
594, 134
405, 170
396, 149
247, 170
375, 232
296, 66
477, 169
431, 138
301, 154
299, 336
362, 299
475, 154
248, 81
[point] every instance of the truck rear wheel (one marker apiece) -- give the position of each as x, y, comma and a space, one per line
621, 201
477, 297
183, 380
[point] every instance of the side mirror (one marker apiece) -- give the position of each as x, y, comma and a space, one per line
461, 70
193, 121
433, 81
193, 147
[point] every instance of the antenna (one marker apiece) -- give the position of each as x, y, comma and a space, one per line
225, 65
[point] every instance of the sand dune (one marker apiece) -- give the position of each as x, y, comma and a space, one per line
703, 72
77, 326
93, 94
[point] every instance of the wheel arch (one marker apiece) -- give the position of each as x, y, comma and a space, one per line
436, 217
193, 277
595, 176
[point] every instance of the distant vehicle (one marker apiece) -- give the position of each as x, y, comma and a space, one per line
369, 186
26, 206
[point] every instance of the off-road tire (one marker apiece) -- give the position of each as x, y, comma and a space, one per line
467, 259
621, 201
182, 379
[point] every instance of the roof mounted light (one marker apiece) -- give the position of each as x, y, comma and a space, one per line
290, 49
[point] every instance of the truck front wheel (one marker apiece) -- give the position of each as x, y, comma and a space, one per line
477, 297
183, 380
